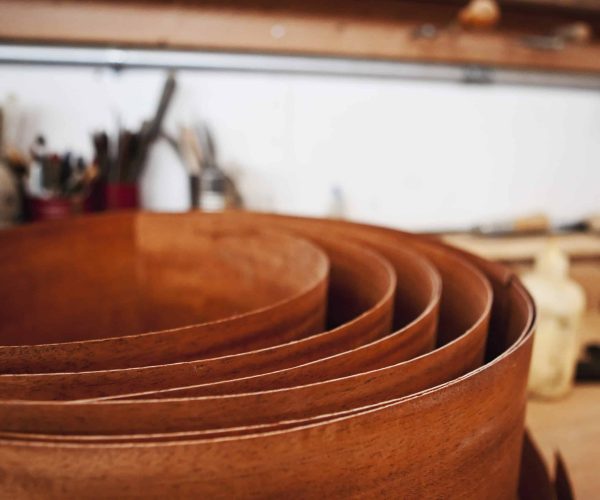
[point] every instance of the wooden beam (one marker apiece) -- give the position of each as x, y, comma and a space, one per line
232, 28
567, 5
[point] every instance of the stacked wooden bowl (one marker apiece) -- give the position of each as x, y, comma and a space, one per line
245, 355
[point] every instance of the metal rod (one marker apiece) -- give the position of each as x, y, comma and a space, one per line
122, 58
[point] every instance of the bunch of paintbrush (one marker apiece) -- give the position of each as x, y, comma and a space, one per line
54, 175
116, 160
121, 160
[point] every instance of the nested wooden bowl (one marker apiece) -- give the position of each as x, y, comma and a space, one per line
414, 388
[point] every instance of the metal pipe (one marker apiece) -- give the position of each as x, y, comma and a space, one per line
122, 58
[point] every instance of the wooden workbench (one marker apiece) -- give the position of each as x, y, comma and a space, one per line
571, 426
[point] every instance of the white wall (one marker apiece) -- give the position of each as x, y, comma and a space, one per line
418, 155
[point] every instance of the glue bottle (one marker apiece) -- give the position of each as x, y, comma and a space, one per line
560, 303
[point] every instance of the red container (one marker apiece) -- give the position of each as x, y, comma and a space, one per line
52, 208
95, 201
121, 196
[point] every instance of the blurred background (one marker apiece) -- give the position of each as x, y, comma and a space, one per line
422, 154
476, 121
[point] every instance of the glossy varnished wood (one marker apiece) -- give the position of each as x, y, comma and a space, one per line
88, 281
383, 415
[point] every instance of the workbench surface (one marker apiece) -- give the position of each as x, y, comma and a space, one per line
572, 426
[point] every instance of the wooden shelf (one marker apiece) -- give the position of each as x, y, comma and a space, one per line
380, 30
510, 249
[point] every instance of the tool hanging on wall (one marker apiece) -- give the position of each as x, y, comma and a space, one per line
152, 128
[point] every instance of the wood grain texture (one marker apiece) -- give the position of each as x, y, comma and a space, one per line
134, 285
382, 30
388, 414
569, 426
361, 296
